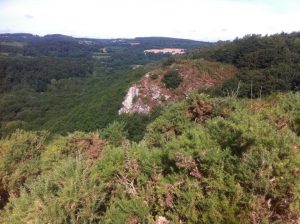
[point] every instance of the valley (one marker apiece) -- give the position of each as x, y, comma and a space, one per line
54, 80
97, 131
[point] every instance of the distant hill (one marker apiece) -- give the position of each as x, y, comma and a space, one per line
110, 52
141, 42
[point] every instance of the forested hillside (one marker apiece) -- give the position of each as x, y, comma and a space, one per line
267, 63
62, 84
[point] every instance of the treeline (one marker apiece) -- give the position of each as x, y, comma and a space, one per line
37, 72
59, 48
49, 45
267, 63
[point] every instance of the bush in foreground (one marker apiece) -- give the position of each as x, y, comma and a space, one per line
237, 161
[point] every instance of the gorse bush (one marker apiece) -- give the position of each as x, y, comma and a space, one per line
203, 160
19, 161
170, 124
69, 194
115, 133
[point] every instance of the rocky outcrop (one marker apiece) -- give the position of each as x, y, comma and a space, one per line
132, 103
151, 91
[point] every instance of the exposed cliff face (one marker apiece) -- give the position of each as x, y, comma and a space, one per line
133, 103
151, 91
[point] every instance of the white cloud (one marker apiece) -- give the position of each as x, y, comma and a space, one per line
195, 19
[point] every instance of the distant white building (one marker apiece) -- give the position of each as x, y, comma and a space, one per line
166, 51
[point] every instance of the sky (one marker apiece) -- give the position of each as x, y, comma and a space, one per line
207, 20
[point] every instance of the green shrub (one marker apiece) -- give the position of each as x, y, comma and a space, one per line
20, 159
136, 123
239, 166
172, 79
115, 133
170, 124
69, 194
127, 211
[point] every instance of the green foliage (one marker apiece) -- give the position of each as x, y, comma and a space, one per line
288, 111
239, 163
115, 133
172, 79
127, 211
19, 161
267, 63
136, 123
37, 73
166, 127
202, 160
64, 84
83, 104
69, 194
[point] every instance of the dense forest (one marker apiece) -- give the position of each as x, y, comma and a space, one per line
225, 154
267, 63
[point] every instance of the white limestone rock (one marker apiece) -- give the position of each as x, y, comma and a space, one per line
132, 103
128, 102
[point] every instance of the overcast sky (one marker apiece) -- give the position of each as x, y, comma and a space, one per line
207, 20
